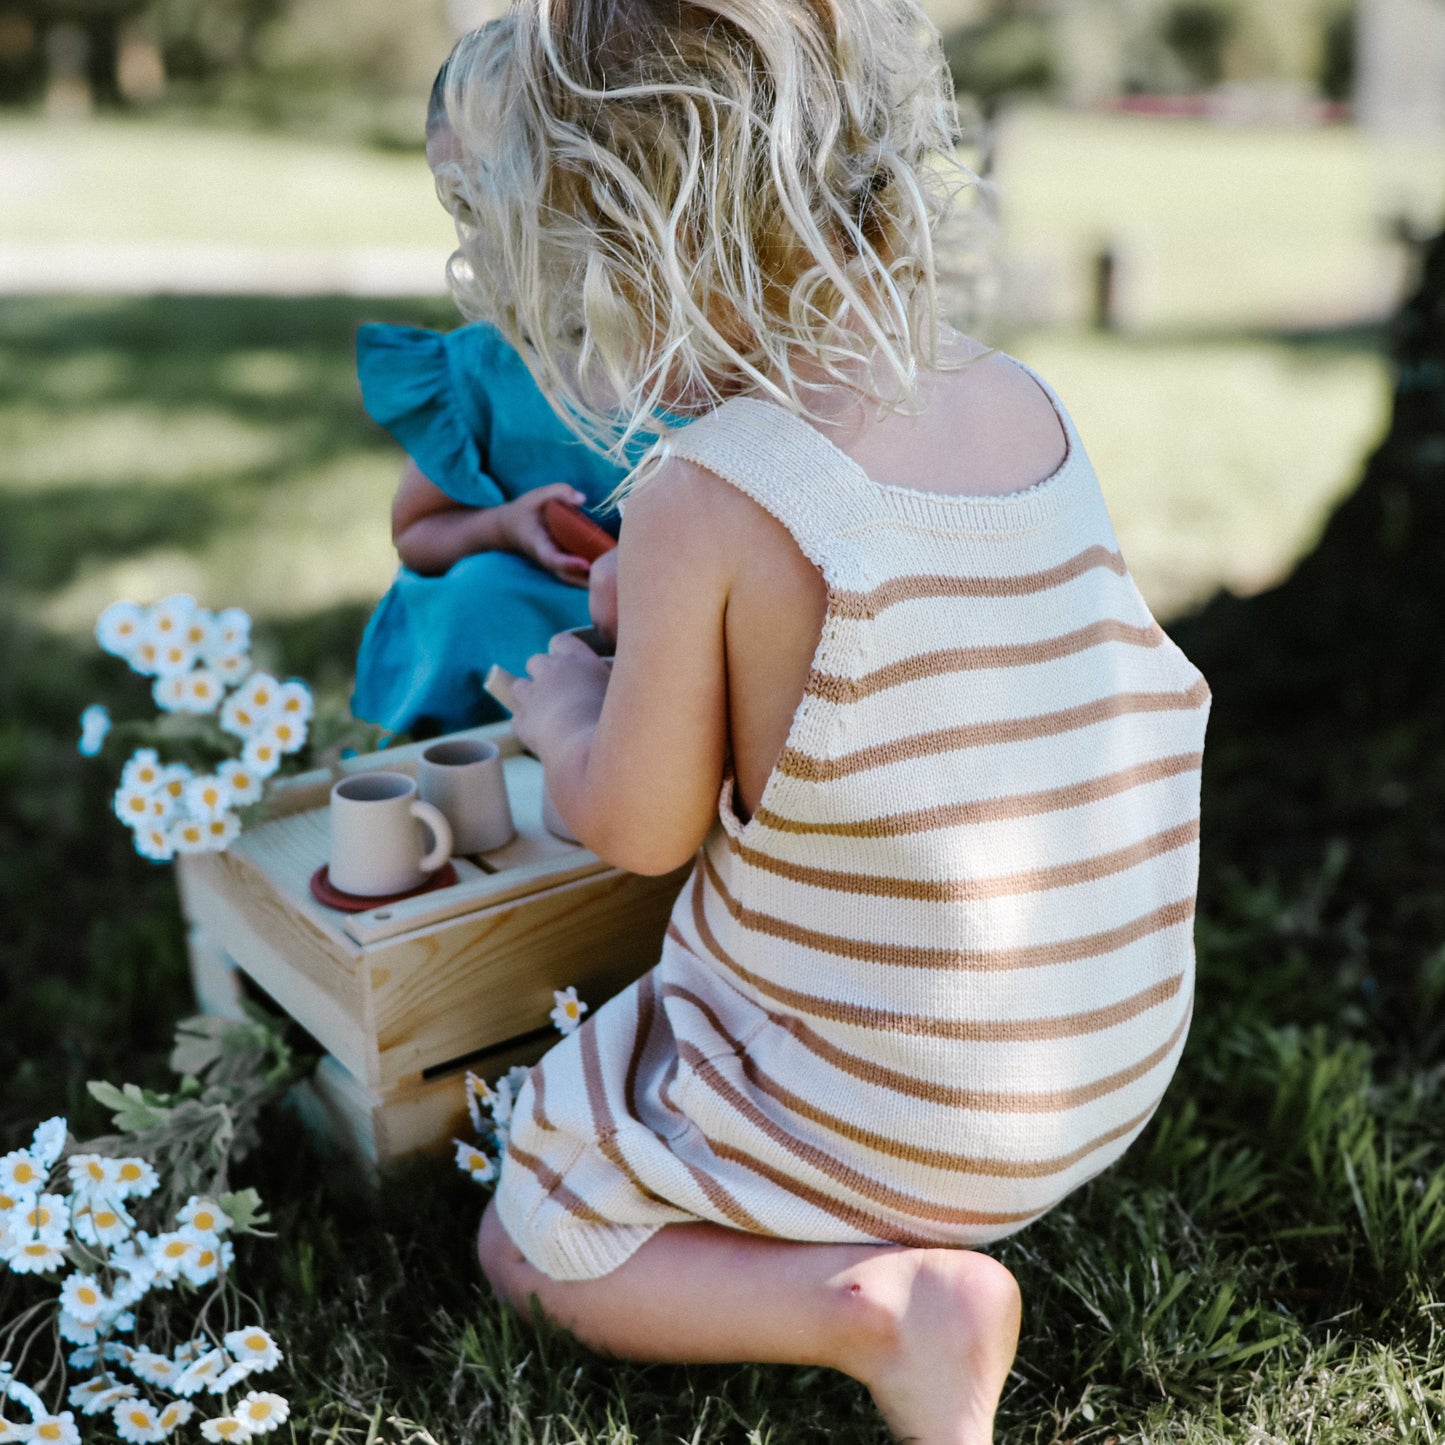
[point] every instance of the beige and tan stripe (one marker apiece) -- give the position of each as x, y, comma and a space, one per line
839, 689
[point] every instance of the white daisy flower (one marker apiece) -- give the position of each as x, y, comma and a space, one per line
231, 1377
256, 1345
176, 1414
21, 1173
13, 1199
33, 1256
500, 1104
139, 1422
516, 1076
76, 1333
132, 805
241, 717
174, 657
569, 1010
207, 1262
119, 628
189, 836
290, 735
169, 693
174, 778
99, 1393
11, 1430
154, 842
261, 753
85, 1358
232, 670
92, 1174
202, 1214
103, 1223
23, 1395
230, 635
476, 1162
143, 769
479, 1091
171, 1251
225, 1428
261, 693
83, 1297
198, 629
154, 1369
170, 616
48, 1141
204, 689
145, 656
130, 1289
207, 796
222, 832
94, 728
135, 1178
187, 1350
46, 1217
262, 1411
294, 701
54, 1430
245, 784
199, 1374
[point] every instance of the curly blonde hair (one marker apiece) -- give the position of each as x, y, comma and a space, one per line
662, 203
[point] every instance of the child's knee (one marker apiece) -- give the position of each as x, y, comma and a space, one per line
498, 1256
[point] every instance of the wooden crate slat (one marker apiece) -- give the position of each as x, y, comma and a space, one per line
489, 976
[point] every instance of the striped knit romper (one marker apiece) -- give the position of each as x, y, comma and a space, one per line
944, 974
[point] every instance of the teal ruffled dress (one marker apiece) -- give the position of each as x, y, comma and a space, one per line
464, 407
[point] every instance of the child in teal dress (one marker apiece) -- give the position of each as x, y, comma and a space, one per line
481, 581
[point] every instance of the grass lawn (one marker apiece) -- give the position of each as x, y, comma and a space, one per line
1265, 1266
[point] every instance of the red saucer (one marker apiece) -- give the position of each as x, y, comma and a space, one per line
323, 891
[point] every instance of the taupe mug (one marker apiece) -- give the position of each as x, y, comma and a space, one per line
378, 835
464, 778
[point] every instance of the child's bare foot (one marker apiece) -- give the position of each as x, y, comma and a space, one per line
950, 1328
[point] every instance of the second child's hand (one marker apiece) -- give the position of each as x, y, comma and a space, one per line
525, 533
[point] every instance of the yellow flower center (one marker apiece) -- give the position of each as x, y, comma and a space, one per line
25, 1173
170, 1418
6, 1202
38, 1218
226, 1428
129, 1173
139, 1417
261, 697
37, 1249
206, 1258
177, 1249
50, 1430
165, 624
259, 1409
137, 805
105, 1219
255, 1342
204, 1219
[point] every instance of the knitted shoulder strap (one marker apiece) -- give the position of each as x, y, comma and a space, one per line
786, 466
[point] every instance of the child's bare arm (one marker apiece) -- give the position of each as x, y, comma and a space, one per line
634, 764
431, 531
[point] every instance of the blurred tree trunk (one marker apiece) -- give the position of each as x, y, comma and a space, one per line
1329, 713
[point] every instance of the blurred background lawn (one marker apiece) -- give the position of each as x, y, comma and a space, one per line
1205, 214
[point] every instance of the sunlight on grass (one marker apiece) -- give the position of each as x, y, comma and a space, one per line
1219, 461
132, 180
321, 540
1213, 226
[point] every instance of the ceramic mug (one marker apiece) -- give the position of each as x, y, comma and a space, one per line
463, 777
378, 846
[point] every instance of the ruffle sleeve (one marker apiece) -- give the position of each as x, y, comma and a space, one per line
407, 386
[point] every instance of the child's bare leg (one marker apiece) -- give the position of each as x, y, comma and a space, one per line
930, 1332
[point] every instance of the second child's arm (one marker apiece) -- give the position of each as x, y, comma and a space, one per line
432, 531
635, 760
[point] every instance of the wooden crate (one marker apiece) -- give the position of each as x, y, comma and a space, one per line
406, 997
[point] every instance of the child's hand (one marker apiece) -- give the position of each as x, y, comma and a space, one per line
602, 597
560, 699
525, 533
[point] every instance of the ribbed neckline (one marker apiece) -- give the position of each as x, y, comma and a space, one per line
1011, 512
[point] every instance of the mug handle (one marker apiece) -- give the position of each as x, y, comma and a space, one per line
441, 831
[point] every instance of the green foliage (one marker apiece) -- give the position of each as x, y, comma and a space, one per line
230, 1072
